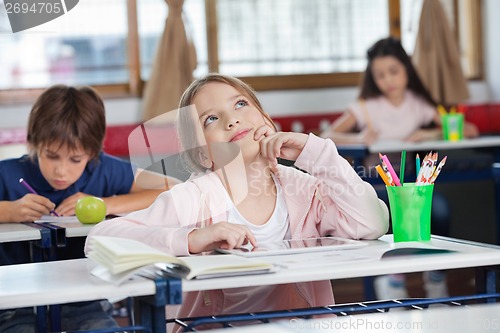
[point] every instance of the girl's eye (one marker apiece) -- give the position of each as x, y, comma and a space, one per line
241, 103
209, 120
75, 161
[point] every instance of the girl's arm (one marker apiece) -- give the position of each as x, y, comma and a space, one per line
139, 197
349, 206
342, 131
164, 225
172, 224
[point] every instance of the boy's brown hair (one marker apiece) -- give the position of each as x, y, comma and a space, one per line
68, 116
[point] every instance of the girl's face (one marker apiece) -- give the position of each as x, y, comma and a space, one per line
60, 166
227, 115
390, 76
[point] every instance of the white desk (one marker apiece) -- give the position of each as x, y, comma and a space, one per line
16, 232
476, 318
396, 146
69, 281
366, 263
58, 282
54, 282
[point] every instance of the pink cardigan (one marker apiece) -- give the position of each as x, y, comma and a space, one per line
331, 199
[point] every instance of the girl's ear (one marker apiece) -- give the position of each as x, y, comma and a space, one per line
204, 160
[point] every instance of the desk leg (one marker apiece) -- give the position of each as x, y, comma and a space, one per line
152, 309
496, 178
486, 281
41, 321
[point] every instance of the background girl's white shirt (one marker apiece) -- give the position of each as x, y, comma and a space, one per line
394, 122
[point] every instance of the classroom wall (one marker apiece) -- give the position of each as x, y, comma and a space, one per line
279, 103
276, 103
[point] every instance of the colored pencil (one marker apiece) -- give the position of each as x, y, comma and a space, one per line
383, 175
417, 166
402, 167
395, 178
438, 170
441, 110
386, 170
29, 188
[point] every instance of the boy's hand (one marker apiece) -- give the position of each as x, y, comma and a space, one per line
31, 207
223, 235
67, 207
287, 145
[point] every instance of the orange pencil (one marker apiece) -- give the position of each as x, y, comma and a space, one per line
383, 175
386, 170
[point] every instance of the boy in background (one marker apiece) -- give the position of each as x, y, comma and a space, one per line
66, 130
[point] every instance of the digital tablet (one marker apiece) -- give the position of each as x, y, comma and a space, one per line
296, 246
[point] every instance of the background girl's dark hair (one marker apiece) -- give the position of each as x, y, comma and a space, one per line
69, 116
391, 47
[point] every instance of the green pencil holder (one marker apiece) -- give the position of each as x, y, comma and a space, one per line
410, 207
452, 126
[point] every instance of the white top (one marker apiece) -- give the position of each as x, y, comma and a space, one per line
275, 229
393, 122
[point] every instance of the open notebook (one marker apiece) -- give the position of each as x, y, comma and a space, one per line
118, 259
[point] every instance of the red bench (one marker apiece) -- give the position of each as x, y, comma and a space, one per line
163, 138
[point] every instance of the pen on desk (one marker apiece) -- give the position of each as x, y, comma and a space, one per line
402, 167
29, 188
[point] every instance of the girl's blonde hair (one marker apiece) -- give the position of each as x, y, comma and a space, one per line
185, 127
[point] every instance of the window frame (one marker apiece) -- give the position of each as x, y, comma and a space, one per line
135, 85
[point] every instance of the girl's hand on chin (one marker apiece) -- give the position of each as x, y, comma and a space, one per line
287, 145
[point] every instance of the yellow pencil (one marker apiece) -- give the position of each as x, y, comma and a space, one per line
441, 110
382, 175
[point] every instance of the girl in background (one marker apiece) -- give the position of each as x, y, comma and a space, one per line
231, 146
394, 104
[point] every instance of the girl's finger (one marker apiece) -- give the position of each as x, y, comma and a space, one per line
262, 131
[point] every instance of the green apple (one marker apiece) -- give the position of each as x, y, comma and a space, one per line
90, 210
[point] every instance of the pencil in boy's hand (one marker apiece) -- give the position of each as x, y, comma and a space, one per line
383, 175
438, 170
29, 188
